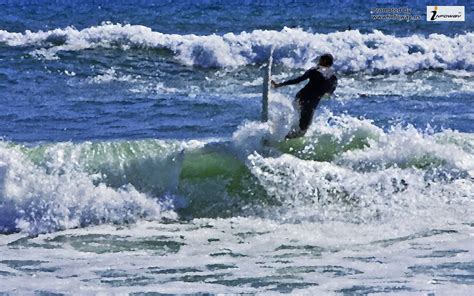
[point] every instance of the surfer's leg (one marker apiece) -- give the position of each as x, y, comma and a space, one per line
295, 132
306, 110
306, 115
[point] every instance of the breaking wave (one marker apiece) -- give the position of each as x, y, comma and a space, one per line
344, 169
356, 52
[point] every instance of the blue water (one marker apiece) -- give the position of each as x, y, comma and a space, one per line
75, 109
131, 157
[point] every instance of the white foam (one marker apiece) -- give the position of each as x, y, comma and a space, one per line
250, 135
342, 127
327, 256
37, 200
372, 52
402, 172
426, 84
403, 146
323, 191
111, 75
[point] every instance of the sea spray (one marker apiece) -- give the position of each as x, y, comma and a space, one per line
251, 136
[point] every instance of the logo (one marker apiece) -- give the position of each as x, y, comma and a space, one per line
445, 13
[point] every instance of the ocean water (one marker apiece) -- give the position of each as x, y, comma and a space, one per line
131, 155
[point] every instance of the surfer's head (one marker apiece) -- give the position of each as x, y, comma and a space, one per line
326, 60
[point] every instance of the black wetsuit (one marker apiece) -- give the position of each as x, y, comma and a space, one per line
322, 80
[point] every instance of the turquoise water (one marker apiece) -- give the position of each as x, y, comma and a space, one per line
131, 158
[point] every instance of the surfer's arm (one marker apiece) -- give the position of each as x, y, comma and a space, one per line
292, 81
333, 85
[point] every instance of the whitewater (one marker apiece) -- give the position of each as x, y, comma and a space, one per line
374, 52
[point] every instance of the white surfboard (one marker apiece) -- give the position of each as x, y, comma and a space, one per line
267, 77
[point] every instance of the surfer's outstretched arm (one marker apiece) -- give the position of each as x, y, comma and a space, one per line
292, 81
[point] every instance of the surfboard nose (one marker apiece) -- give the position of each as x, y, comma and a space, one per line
267, 75
3, 174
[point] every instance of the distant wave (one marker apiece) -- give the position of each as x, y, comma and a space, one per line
354, 51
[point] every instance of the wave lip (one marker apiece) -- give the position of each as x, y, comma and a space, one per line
355, 52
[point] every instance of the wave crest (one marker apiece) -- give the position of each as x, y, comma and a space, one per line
355, 51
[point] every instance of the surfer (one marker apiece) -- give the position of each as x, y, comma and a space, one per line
322, 80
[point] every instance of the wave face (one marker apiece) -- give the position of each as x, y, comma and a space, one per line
346, 169
295, 48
